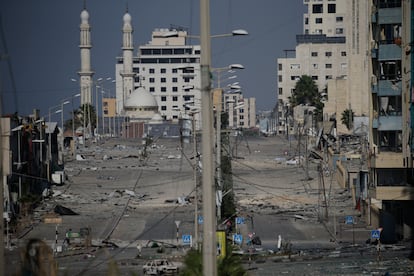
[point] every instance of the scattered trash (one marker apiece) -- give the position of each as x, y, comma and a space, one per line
61, 210
80, 157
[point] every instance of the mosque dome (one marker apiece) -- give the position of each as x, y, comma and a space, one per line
84, 16
141, 98
127, 18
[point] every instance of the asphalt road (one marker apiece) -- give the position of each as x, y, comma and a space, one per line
127, 199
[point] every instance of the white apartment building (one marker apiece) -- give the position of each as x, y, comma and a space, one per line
241, 111
321, 52
169, 69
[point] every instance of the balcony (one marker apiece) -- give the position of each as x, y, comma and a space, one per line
387, 123
391, 192
389, 52
387, 88
386, 158
389, 15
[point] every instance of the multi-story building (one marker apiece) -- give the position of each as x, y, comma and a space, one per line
241, 111
320, 52
169, 69
391, 191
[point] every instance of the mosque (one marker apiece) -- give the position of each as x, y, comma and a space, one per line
141, 82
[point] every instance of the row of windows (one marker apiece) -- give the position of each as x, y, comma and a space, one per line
296, 78
168, 60
318, 20
164, 89
164, 80
169, 51
318, 8
296, 66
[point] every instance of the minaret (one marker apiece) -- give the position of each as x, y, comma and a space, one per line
127, 50
85, 46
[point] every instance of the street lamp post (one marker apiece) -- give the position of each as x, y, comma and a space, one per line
218, 131
74, 138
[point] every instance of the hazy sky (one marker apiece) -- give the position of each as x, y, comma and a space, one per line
39, 45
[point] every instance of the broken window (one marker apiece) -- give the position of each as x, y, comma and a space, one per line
390, 34
390, 141
390, 70
390, 106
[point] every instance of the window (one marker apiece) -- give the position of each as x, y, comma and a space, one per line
331, 8
314, 54
328, 66
152, 71
295, 66
317, 8
344, 65
328, 77
175, 89
328, 54
339, 19
163, 108
163, 89
315, 66
163, 98
163, 70
314, 77
280, 91
174, 80
187, 79
306, 20
167, 51
152, 89
294, 78
152, 80
280, 66
175, 98
163, 80
174, 70
343, 54
339, 30
280, 78
318, 20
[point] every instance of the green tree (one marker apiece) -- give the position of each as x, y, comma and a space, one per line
228, 266
306, 93
347, 118
81, 117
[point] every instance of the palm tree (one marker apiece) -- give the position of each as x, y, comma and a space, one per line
306, 93
228, 266
82, 118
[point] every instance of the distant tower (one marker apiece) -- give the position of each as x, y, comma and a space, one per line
85, 46
127, 48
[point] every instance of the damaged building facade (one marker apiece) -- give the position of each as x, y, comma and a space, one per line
372, 157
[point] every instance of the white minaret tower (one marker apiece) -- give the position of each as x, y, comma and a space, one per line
127, 49
85, 46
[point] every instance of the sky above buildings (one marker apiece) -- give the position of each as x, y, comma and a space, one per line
39, 43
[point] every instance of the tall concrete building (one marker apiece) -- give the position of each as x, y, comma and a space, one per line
85, 46
321, 53
391, 202
167, 67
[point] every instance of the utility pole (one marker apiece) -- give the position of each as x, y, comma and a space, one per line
209, 233
195, 184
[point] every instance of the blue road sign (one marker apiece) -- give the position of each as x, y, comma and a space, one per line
375, 234
239, 220
237, 238
349, 220
186, 239
200, 219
